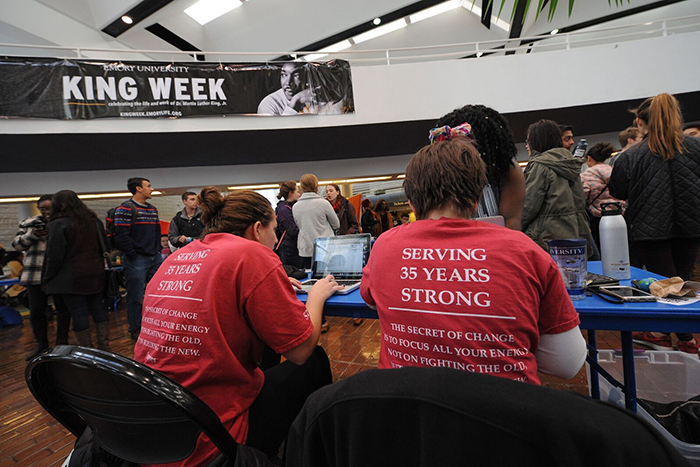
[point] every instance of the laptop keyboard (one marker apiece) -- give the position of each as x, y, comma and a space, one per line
340, 282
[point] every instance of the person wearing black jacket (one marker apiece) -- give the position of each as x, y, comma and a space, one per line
74, 266
344, 210
369, 220
660, 179
187, 224
288, 231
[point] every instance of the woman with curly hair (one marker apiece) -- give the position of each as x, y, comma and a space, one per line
504, 194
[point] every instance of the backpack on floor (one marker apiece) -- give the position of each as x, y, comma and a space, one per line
9, 316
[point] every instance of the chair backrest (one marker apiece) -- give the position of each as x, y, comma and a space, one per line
440, 416
136, 413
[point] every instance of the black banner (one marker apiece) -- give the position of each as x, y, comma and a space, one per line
86, 89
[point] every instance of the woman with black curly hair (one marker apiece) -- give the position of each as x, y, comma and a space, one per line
504, 193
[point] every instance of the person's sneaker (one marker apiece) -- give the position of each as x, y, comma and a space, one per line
325, 327
357, 321
649, 339
690, 346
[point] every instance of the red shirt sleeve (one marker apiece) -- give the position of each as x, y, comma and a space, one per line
364, 284
275, 313
557, 312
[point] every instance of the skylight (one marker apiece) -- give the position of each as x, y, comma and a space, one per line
207, 10
337, 47
434, 11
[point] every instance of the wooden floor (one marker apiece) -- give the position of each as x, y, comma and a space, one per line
31, 437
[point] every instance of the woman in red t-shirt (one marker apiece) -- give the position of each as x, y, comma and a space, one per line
213, 306
455, 292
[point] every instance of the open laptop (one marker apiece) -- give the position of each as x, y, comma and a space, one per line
343, 257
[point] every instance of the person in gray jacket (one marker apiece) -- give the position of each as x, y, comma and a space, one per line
314, 216
555, 205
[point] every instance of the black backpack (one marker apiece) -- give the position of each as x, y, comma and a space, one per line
109, 223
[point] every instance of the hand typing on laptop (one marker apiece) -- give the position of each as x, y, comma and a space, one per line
322, 288
341, 257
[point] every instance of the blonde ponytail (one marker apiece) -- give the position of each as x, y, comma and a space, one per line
663, 117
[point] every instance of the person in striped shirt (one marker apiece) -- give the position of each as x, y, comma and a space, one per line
137, 234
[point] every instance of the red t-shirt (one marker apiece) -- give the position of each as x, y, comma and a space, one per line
464, 294
207, 314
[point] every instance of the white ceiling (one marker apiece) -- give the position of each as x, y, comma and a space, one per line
277, 25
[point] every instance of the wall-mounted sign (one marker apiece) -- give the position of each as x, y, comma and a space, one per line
83, 89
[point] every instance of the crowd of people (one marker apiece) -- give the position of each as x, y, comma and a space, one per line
449, 290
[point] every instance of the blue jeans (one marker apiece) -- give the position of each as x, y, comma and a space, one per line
138, 271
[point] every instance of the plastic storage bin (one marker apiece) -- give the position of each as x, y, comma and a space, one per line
662, 376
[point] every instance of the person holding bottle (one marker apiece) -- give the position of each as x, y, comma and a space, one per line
555, 206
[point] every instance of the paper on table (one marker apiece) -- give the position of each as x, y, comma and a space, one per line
678, 301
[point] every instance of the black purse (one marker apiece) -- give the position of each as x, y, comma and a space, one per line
113, 279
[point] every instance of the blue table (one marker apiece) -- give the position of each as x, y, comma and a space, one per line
9, 282
595, 314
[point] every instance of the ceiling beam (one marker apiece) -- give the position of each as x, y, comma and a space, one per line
138, 13
486, 12
173, 39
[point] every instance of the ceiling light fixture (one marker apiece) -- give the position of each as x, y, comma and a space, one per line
19, 200
255, 187
479, 54
207, 10
127, 19
380, 31
554, 32
356, 180
377, 21
434, 11
401, 176
124, 194
498, 22
342, 45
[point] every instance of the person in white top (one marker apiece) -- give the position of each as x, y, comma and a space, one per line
314, 216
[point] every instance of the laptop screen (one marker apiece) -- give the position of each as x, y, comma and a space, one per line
342, 256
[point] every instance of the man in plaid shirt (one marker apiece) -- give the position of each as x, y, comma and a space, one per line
31, 239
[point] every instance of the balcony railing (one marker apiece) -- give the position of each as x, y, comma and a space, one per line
477, 50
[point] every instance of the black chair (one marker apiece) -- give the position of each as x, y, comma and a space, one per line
135, 413
440, 416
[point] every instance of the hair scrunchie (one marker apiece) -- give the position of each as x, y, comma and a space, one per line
445, 133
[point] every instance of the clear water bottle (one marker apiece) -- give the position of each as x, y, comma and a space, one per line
614, 249
580, 149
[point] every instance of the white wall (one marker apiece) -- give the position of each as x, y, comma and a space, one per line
399, 93
428, 90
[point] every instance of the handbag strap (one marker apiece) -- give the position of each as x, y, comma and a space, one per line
599, 194
103, 247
